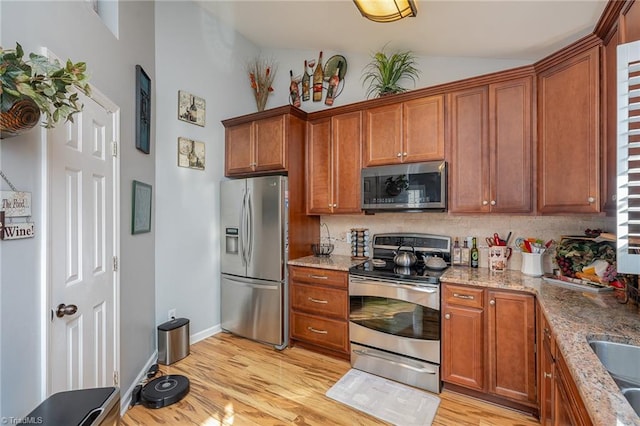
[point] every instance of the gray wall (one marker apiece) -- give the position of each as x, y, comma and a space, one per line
72, 30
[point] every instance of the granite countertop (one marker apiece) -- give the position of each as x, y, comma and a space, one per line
574, 316
336, 262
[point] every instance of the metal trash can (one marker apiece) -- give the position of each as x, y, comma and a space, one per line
173, 341
85, 407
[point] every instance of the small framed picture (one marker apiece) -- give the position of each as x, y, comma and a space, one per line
191, 108
141, 208
143, 110
190, 154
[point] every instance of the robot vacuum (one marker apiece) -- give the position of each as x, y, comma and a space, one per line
164, 391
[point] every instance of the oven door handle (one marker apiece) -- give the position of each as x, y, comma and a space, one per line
401, 364
396, 284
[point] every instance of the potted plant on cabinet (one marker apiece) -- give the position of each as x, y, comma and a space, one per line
385, 72
38, 85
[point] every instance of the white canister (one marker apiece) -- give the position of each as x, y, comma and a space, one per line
532, 264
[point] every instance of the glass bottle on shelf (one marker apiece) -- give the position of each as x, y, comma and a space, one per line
318, 77
306, 83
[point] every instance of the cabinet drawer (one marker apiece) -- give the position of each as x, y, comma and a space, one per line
319, 276
328, 333
319, 300
463, 296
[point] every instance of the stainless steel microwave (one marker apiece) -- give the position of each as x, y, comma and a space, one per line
406, 187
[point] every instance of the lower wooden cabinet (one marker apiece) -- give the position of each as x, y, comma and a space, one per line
560, 402
488, 343
319, 307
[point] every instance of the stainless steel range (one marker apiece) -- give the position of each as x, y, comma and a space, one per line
394, 311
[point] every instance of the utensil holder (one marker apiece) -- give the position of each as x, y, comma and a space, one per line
532, 264
359, 243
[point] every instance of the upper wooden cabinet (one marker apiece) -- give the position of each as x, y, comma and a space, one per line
334, 163
406, 132
568, 130
259, 143
491, 148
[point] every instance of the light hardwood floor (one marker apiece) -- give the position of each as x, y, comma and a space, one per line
235, 381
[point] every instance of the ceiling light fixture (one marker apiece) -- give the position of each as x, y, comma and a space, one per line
386, 10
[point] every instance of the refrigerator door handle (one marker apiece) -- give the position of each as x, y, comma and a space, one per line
252, 284
250, 228
242, 228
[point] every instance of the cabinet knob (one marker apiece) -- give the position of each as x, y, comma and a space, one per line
399, 155
547, 375
404, 154
614, 197
591, 200
493, 202
447, 316
335, 205
492, 302
485, 202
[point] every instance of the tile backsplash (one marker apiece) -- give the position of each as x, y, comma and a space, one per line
480, 226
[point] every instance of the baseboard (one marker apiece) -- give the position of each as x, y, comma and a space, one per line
125, 400
201, 335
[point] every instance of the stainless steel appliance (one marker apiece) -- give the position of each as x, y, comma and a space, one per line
253, 286
413, 186
394, 311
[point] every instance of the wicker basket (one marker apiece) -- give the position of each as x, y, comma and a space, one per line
23, 115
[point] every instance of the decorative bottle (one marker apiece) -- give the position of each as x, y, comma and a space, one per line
475, 254
306, 83
333, 86
293, 91
457, 252
465, 253
318, 77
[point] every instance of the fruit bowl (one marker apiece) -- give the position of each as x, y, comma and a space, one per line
322, 250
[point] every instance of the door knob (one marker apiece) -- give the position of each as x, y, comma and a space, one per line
66, 310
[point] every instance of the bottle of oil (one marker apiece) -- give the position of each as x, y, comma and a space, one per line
475, 255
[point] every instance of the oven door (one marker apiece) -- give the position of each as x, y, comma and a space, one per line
396, 317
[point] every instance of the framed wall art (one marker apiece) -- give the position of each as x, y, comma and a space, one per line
190, 154
141, 208
143, 110
191, 108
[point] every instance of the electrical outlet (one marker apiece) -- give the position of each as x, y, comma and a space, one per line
172, 314
348, 237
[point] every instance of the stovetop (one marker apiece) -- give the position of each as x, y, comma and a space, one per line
424, 246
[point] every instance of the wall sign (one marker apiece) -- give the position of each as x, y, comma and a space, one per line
15, 204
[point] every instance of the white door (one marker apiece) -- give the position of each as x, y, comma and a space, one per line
82, 221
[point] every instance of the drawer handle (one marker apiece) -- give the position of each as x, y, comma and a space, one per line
319, 277
317, 331
463, 296
318, 300
547, 375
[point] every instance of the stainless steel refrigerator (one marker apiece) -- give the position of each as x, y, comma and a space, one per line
253, 260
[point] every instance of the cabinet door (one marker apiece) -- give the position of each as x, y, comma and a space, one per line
462, 347
383, 135
238, 149
511, 343
546, 385
319, 199
469, 163
510, 146
423, 126
270, 147
347, 162
631, 18
568, 129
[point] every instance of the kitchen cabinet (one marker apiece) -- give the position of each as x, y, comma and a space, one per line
260, 143
491, 148
560, 402
610, 125
462, 337
569, 130
406, 132
334, 163
319, 306
488, 343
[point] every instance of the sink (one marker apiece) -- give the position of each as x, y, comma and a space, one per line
621, 361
